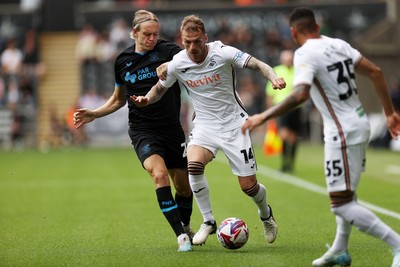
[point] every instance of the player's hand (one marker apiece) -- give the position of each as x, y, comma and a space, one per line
162, 71
252, 122
278, 83
82, 116
140, 101
393, 125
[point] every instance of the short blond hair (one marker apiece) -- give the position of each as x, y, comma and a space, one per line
140, 17
192, 23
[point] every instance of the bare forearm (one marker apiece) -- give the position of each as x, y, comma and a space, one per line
155, 94
382, 91
299, 96
113, 104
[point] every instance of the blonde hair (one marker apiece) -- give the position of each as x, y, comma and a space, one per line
192, 23
140, 17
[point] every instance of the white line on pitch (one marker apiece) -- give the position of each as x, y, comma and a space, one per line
293, 180
392, 169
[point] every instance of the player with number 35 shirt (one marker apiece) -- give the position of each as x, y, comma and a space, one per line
327, 64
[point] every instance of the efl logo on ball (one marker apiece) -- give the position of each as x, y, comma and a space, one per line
232, 233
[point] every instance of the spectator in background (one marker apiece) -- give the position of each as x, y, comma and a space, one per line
119, 34
31, 57
224, 32
86, 55
289, 124
106, 53
11, 63
273, 46
32, 67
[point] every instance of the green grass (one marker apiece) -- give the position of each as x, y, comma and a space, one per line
97, 207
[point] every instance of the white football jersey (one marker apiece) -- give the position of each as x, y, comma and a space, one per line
211, 85
327, 64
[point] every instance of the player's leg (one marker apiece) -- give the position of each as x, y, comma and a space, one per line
149, 151
156, 168
176, 162
366, 221
344, 167
183, 197
343, 230
288, 128
284, 133
198, 157
257, 192
239, 151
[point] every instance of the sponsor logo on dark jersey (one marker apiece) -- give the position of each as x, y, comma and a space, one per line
142, 74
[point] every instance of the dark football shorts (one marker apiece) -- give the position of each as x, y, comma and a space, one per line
170, 144
291, 120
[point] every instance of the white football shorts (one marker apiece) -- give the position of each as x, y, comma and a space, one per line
343, 167
236, 146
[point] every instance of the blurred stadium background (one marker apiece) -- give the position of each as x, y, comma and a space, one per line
58, 55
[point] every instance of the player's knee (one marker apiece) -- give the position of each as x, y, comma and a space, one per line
339, 199
195, 168
160, 178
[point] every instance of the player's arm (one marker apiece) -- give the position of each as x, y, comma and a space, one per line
375, 74
155, 94
267, 72
299, 95
115, 102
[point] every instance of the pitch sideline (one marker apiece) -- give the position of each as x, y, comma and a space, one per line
297, 181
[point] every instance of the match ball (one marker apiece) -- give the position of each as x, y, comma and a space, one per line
232, 233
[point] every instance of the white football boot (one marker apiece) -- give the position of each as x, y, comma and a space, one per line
270, 228
206, 229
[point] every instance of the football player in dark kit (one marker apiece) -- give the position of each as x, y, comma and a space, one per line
155, 130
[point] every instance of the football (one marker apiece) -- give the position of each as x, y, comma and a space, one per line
232, 233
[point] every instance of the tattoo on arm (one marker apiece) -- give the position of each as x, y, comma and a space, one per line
261, 67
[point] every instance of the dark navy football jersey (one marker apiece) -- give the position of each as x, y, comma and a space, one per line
138, 73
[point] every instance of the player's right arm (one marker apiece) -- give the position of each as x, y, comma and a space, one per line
300, 94
115, 102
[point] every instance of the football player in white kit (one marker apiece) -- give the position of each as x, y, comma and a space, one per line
324, 71
207, 71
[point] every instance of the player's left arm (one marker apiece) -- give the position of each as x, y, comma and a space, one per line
376, 75
267, 72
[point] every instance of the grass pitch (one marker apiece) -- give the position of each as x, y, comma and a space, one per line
97, 207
